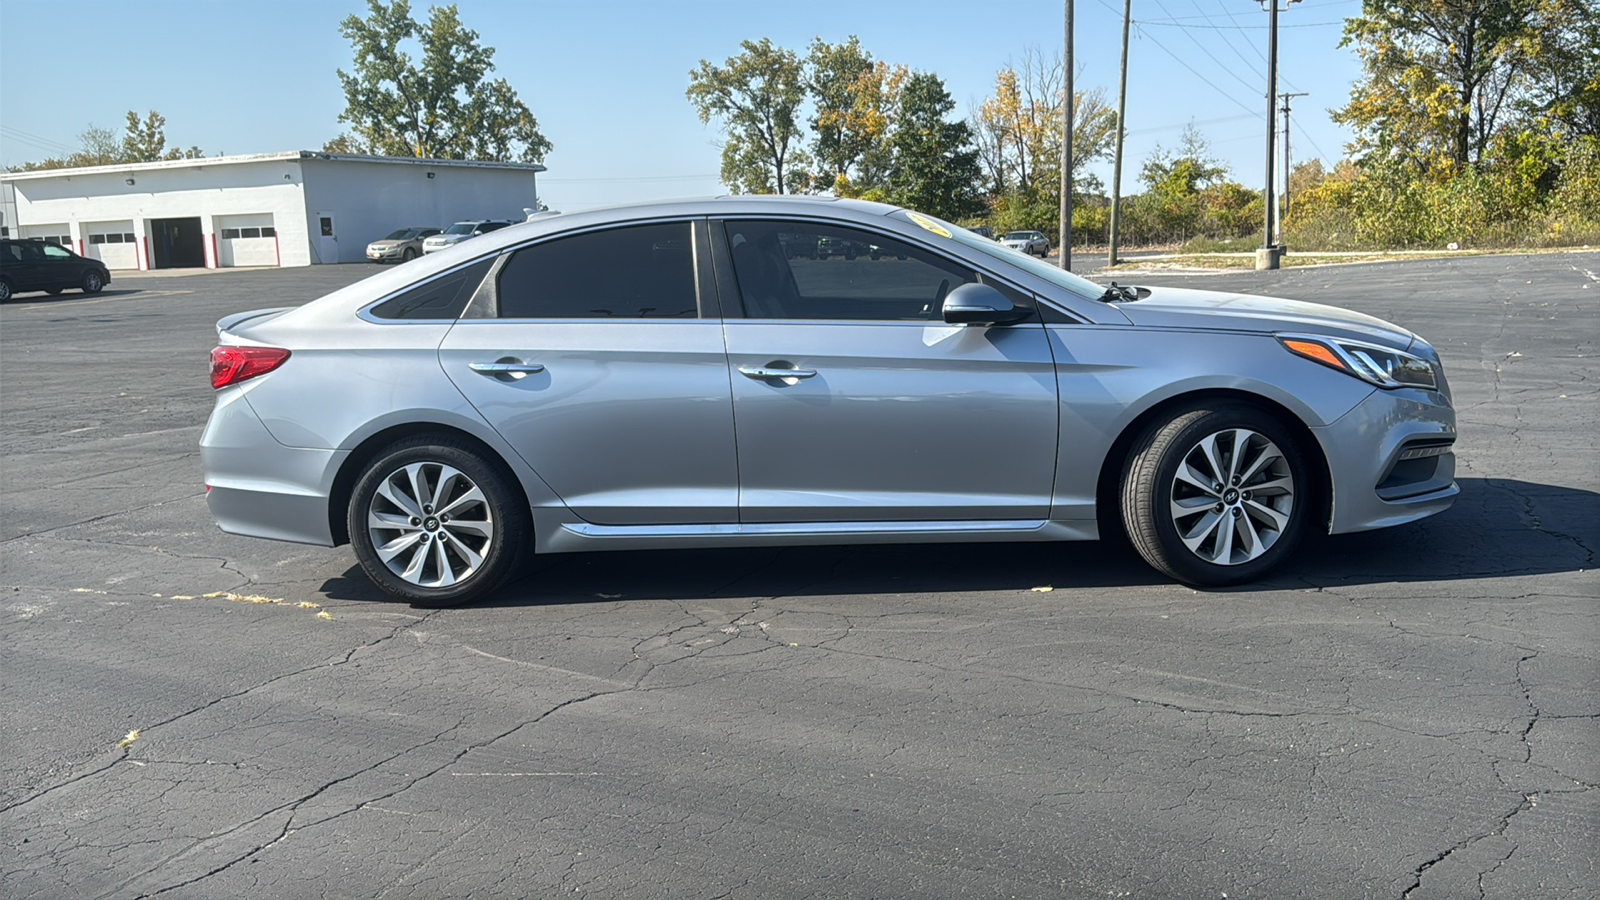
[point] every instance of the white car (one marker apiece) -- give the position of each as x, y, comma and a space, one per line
402, 245
460, 231
1030, 242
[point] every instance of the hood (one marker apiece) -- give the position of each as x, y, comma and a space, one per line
445, 238
1216, 310
385, 245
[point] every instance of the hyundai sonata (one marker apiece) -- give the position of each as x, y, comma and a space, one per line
674, 375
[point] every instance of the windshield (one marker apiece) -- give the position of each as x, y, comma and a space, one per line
404, 234
1038, 268
461, 228
1022, 235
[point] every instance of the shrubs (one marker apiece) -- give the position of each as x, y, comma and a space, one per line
1528, 191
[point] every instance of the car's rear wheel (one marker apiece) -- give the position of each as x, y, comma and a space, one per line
435, 523
92, 282
1216, 495
5, 290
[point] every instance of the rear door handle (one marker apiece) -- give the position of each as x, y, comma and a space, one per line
509, 367
770, 372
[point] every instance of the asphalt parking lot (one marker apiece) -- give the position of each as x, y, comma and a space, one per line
1405, 713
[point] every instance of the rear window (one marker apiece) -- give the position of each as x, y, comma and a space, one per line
443, 297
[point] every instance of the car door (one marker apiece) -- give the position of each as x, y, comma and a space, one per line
602, 363
59, 268
854, 401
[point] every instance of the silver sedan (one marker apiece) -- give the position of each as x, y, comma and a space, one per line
673, 375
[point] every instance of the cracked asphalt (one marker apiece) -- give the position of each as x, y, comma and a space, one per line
1409, 713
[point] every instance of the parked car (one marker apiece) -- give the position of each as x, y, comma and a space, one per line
836, 246
984, 230
461, 231
1030, 242
401, 245
664, 375
33, 265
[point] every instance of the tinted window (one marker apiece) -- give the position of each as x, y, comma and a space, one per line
642, 271
798, 270
442, 298
487, 227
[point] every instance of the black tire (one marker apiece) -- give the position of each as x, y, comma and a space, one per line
92, 282
5, 289
408, 255
1272, 520
503, 509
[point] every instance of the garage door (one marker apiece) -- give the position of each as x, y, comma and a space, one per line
113, 243
247, 240
59, 235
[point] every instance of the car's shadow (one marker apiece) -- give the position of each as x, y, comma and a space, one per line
21, 298
1497, 528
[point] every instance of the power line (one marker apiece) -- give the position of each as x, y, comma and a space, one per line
1237, 102
1229, 15
1226, 40
1232, 27
1208, 53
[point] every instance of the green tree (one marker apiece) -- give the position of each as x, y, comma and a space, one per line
1439, 74
442, 106
756, 97
935, 166
856, 100
146, 140
1564, 74
1175, 182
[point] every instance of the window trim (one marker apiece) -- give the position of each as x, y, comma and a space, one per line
706, 304
728, 280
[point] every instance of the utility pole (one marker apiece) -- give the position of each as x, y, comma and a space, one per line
1286, 169
1267, 254
1116, 165
1066, 148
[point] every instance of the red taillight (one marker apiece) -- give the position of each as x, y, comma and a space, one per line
231, 365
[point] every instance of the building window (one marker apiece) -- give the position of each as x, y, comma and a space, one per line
128, 238
249, 232
229, 234
97, 239
269, 231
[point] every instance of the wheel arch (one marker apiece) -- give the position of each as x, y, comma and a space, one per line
1109, 482
350, 470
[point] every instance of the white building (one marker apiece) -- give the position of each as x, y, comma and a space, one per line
268, 209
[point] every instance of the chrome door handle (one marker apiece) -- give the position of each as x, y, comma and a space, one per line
766, 372
505, 367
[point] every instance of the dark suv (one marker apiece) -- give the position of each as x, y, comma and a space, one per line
32, 265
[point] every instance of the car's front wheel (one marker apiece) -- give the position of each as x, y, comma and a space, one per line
435, 523
92, 282
1216, 495
408, 255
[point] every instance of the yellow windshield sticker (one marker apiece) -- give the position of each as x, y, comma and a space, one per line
929, 224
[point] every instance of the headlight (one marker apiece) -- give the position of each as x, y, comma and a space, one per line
1381, 366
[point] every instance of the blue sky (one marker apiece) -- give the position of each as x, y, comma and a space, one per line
606, 79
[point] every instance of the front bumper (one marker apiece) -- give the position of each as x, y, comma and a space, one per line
1392, 460
259, 487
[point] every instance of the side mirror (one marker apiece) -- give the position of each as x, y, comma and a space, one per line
981, 304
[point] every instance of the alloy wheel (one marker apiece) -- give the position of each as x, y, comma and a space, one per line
430, 524
1232, 496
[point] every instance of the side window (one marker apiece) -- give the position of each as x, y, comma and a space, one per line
54, 252
638, 271
803, 270
13, 252
442, 298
